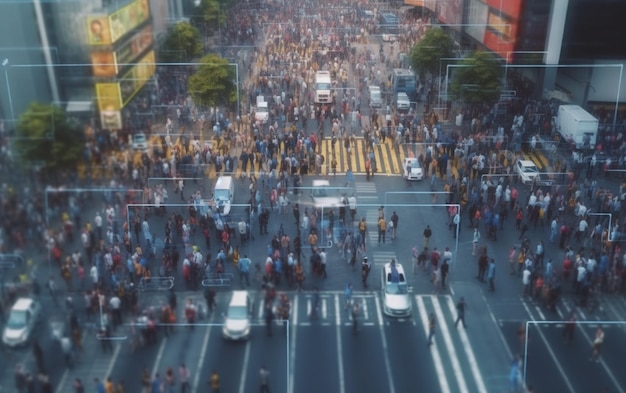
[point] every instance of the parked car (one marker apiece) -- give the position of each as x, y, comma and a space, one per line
403, 104
395, 290
22, 320
526, 170
412, 169
139, 141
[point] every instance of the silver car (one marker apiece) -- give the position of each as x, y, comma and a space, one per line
22, 321
395, 290
325, 196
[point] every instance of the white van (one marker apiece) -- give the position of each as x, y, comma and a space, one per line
237, 317
224, 193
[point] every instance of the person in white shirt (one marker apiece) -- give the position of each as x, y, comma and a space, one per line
582, 227
97, 221
526, 282
93, 274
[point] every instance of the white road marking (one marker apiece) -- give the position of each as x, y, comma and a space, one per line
570, 387
342, 381
392, 388
480, 384
292, 349
441, 374
447, 339
205, 342
244, 368
324, 309
155, 368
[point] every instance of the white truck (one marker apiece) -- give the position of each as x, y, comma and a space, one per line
577, 126
261, 111
323, 88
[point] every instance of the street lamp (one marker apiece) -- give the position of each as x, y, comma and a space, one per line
5, 65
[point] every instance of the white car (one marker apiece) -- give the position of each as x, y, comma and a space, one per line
403, 104
325, 196
412, 170
237, 318
395, 290
140, 142
526, 170
21, 323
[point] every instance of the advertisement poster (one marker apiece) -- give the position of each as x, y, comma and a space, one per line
111, 120
98, 31
135, 46
103, 64
137, 77
128, 18
108, 95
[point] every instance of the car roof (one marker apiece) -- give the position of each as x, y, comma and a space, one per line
527, 163
403, 95
319, 183
410, 159
23, 304
399, 268
239, 298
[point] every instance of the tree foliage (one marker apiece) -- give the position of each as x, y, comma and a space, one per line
211, 14
478, 80
213, 83
426, 55
182, 43
45, 133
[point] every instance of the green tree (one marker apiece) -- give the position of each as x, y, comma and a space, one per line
426, 55
45, 133
211, 14
182, 43
478, 80
213, 83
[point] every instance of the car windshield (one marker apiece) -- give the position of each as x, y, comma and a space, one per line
17, 320
237, 313
530, 169
221, 195
414, 164
138, 138
322, 192
397, 288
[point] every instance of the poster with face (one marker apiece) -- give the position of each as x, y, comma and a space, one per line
103, 64
98, 30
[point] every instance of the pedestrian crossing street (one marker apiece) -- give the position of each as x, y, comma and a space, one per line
596, 312
388, 160
452, 351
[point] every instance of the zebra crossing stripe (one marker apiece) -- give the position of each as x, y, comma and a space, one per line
441, 374
447, 339
480, 384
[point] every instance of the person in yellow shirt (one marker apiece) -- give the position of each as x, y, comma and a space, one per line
215, 382
382, 229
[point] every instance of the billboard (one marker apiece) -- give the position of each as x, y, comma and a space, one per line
98, 31
111, 120
137, 77
109, 97
106, 64
107, 30
103, 64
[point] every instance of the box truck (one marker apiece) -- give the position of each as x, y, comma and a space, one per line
323, 88
577, 126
